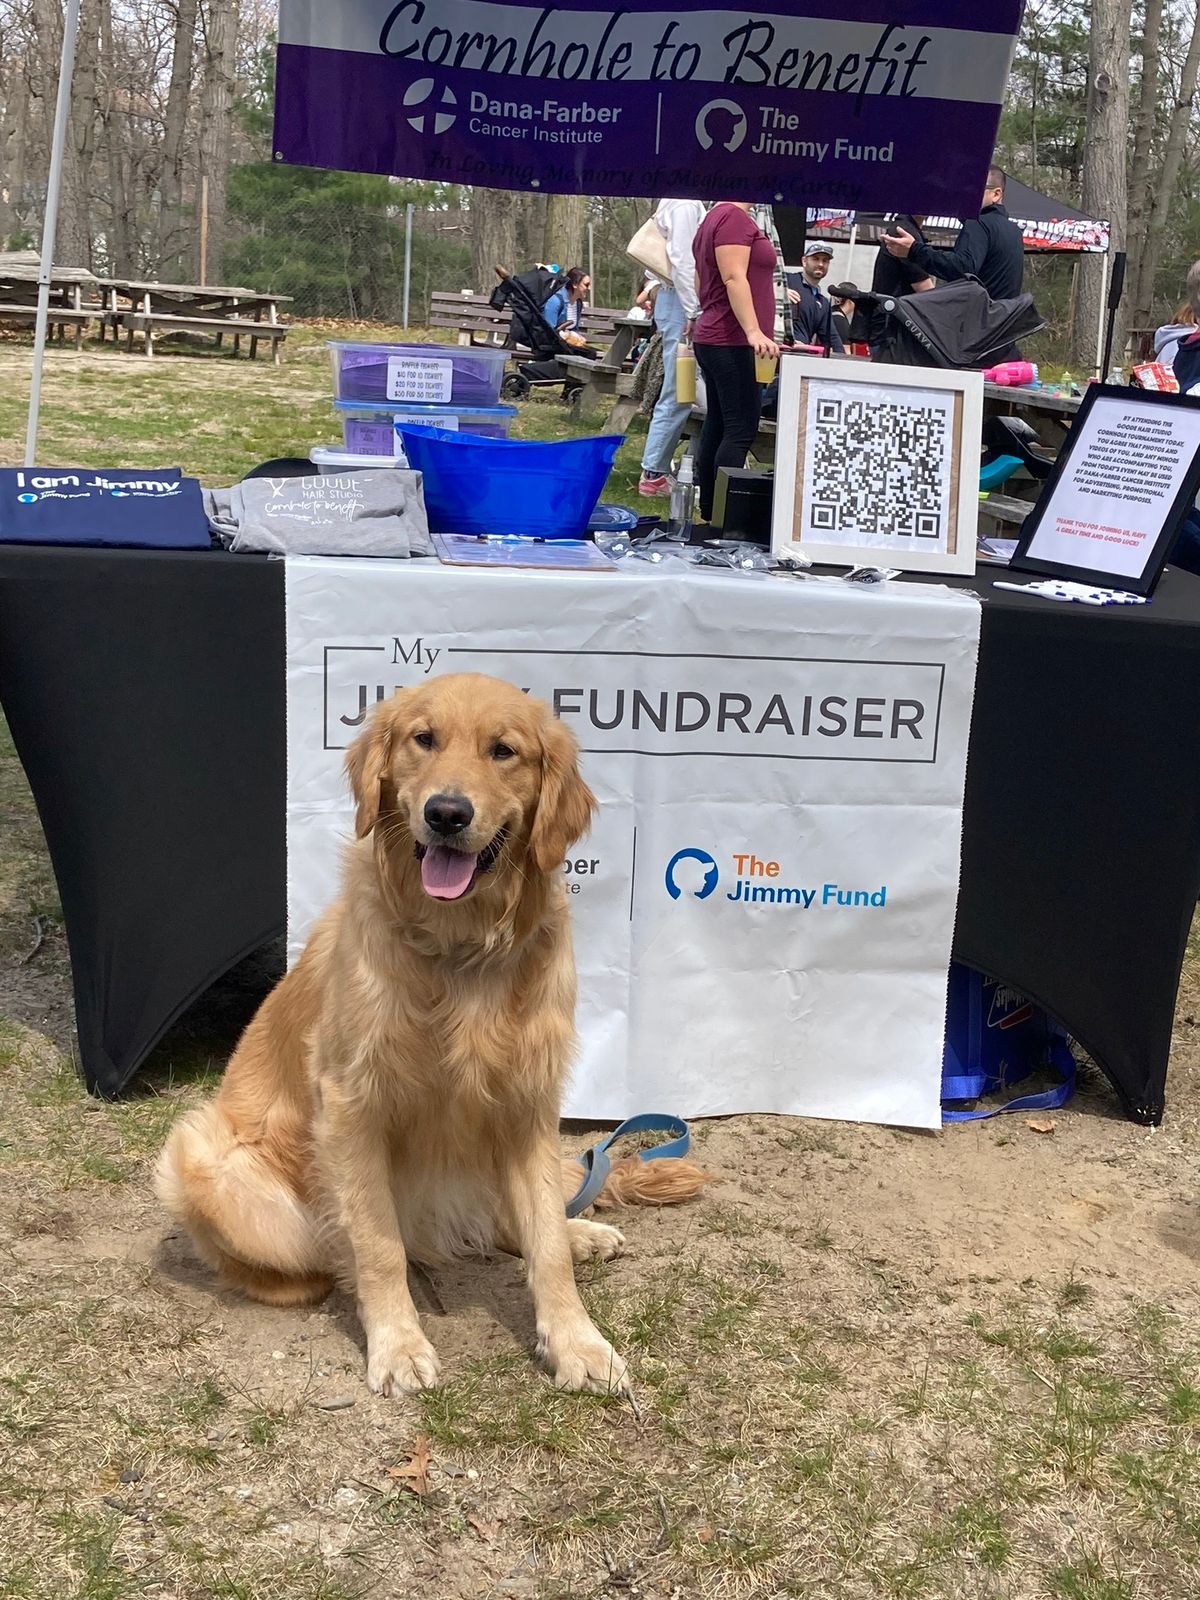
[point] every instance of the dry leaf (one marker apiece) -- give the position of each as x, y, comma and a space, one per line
414, 1473
1041, 1125
705, 1534
487, 1531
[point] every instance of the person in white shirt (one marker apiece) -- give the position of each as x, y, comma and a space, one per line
675, 309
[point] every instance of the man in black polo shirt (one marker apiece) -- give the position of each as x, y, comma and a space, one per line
895, 277
990, 249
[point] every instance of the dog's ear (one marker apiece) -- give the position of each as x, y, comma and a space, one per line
367, 766
565, 803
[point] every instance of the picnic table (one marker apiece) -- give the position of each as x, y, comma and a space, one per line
607, 379
75, 297
160, 309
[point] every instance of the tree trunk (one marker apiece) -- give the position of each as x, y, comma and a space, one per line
14, 148
1144, 129
171, 233
216, 128
494, 215
74, 241
1105, 181
562, 240
1168, 176
531, 228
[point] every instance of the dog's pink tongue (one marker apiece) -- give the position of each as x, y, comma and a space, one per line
446, 874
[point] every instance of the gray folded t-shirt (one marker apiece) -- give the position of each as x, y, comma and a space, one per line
372, 513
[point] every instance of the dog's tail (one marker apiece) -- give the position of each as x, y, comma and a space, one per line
243, 1218
661, 1181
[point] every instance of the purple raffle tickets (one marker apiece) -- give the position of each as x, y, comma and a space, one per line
887, 104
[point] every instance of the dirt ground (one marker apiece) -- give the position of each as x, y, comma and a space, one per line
868, 1362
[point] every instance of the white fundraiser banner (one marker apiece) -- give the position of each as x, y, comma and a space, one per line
764, 908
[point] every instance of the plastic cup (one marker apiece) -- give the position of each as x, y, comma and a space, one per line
764, 369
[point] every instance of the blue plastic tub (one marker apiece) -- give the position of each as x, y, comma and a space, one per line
509, 486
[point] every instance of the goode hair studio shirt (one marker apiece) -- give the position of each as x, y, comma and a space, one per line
728, 224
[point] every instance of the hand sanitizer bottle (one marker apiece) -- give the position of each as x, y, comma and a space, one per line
683, 501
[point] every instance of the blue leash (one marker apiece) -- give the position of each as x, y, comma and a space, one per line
596, 1165
971, 1085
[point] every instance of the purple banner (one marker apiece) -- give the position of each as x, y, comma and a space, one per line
846, 111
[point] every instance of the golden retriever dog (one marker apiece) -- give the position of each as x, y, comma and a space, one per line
397, 1095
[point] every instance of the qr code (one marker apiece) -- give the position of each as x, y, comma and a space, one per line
878, 469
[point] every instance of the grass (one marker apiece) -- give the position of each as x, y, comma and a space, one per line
217, 417
869, 1366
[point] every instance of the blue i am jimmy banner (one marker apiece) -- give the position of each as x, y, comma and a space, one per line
868, 104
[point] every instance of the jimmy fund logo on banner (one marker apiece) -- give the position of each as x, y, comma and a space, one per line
755, 881
774, 104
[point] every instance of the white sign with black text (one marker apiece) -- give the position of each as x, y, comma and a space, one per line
1125, 478
764, 909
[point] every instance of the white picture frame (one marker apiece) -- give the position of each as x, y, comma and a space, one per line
942, 410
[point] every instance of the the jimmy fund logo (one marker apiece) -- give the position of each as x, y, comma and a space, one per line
748, 879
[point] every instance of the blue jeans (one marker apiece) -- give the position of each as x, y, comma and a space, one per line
670, 414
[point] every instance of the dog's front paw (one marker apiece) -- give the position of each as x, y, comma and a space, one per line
401, 1362
594, 1241
584, 1359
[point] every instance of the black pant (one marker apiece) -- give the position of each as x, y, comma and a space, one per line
734, 407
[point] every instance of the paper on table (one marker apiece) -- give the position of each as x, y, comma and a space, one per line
998, 551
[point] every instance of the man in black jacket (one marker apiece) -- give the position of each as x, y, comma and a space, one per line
990, 249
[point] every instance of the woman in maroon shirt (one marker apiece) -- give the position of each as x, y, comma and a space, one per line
735, 283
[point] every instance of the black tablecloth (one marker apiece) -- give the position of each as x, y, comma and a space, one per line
145, 693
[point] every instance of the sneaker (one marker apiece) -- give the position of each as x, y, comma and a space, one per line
654, 484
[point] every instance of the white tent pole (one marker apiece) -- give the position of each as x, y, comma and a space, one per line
1103, 309
50, 223
408, 230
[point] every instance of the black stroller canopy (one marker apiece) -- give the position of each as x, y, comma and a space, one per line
958, 326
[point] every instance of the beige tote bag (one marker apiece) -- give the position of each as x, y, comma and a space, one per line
649, 249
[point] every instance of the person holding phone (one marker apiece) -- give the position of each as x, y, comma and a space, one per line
735, 285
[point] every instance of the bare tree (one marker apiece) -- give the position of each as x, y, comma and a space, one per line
494, 216
220, 24
562, 240
1105, 177
1178, 129
1144, 129
175, 121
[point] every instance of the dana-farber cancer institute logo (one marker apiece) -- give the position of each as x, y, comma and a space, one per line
693, 873
430, 109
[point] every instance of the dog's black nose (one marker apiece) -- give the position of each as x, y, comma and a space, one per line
448, 813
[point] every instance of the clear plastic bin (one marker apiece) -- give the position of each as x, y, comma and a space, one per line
371, 430
416, 374
330, 459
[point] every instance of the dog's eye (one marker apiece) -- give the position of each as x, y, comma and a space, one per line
424, 739
502, 752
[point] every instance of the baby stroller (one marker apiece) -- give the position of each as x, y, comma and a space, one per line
957, 326
537, 343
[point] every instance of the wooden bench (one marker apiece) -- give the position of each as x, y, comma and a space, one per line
477, 322
470, 316
59, 319
153, 323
